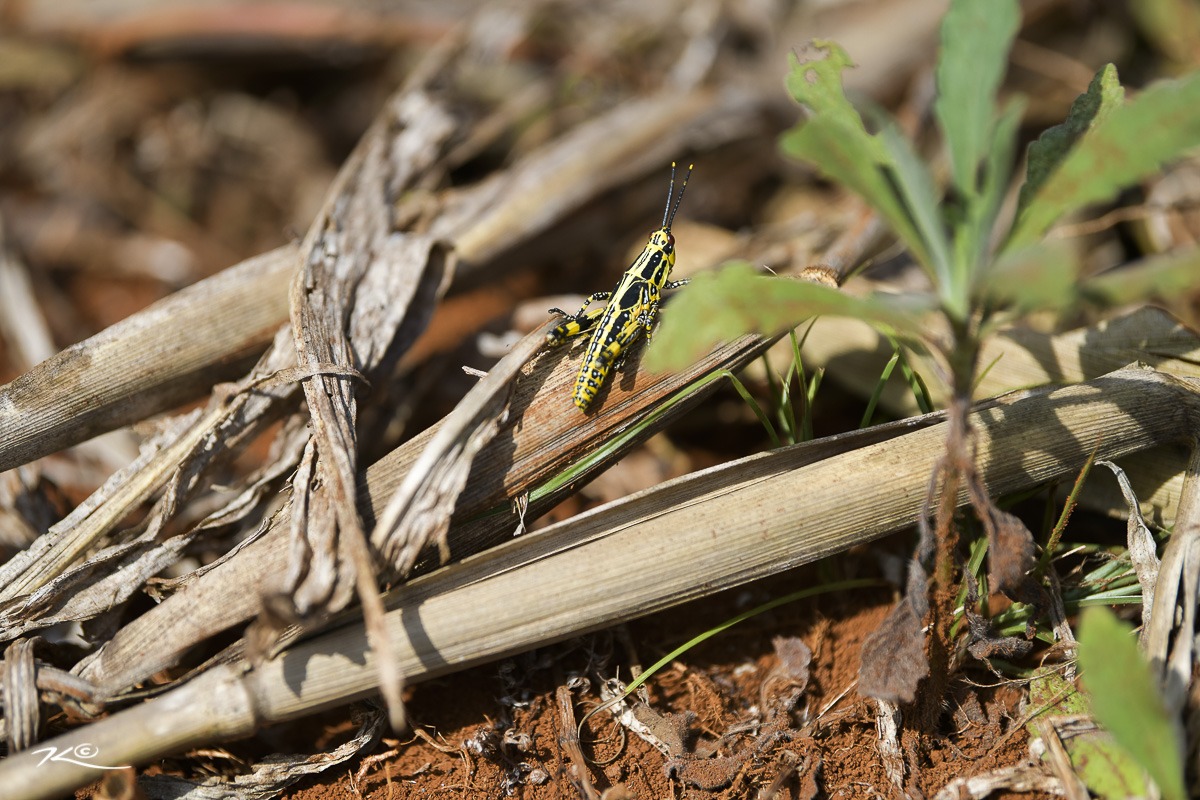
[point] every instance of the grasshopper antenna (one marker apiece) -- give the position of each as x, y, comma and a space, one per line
669, 219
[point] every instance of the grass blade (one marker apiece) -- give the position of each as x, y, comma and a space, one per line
878, 392
803, 594
754, 406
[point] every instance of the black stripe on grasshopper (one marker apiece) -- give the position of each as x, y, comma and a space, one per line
632, 306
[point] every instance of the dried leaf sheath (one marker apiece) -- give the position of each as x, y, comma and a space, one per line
361, 279
357, 284
419, 511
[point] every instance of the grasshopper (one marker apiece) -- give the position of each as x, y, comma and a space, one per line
632, 306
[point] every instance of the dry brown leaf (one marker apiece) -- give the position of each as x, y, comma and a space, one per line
893, 656
1010, 559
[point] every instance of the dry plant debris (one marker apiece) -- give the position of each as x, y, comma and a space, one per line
266, 244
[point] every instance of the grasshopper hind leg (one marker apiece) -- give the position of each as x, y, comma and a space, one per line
582, 312
577, 323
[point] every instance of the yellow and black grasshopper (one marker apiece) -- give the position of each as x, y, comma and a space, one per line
631, 308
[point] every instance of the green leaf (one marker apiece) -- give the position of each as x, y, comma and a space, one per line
834, 140
1167, 276
1125, 700
976, 231
976, 36
739, 300
1108, 770
815, 80
1103, 95
1133, 142
921, 199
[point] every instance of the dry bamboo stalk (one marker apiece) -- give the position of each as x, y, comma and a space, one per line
169, 353
683, 540
1020, 358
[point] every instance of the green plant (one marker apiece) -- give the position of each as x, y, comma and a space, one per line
985, 269
1105, 767
1124, 699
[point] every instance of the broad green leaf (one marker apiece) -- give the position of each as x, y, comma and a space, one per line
976, 36
1106, 768
834, 140
1133, 142
1125, 700
1167, 276
815, 80
739, 300
1103, 95
1041, 276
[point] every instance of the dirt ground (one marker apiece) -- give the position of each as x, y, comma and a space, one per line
498, 731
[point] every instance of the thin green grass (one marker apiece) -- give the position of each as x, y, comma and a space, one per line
793, 597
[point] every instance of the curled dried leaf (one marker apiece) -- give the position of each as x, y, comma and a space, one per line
893, 657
